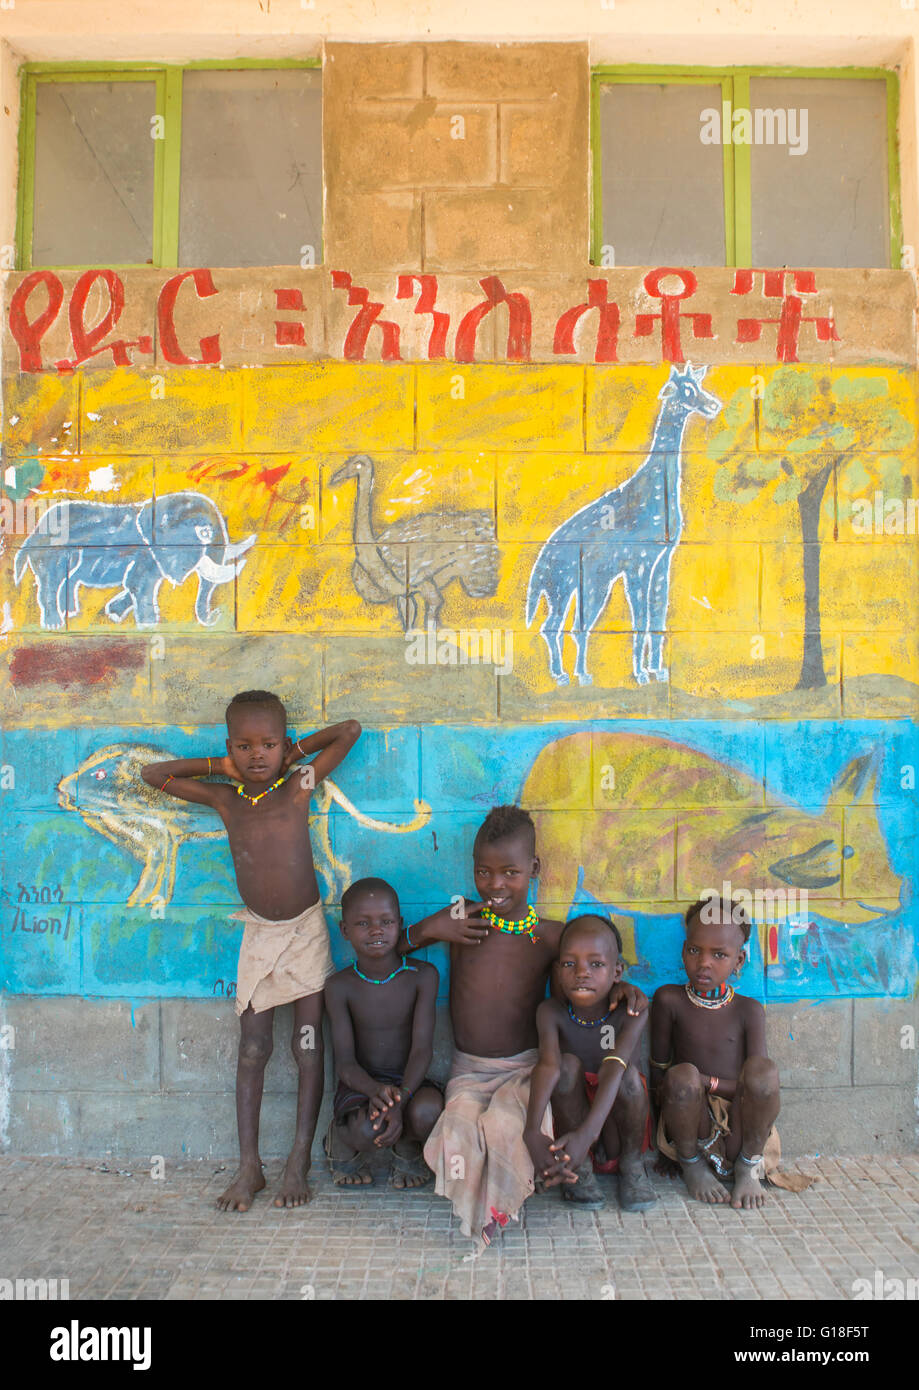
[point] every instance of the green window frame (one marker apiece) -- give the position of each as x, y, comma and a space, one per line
167, 158
735, 88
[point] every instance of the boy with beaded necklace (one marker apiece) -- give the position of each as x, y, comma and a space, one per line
285, 954
501, 954
381, 1009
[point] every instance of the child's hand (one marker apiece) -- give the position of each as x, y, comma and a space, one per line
468, 930
549, 1166
293, 755
635, 1001
225, 767
573, 1148
391, 1123
384, 1100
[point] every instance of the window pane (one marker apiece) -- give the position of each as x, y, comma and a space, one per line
827, 206
663, 189
93, 173
251, 185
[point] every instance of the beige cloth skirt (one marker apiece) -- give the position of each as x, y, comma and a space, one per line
281, 961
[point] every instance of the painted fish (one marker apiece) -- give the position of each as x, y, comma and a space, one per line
109, 793
724, 832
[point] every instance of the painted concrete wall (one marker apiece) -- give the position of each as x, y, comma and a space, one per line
633, 547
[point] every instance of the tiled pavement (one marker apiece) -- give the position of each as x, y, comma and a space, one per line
122, 1234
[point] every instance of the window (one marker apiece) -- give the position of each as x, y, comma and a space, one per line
215, 164
764, 167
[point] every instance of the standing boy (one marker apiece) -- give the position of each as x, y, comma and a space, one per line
586, 1068
501, 953
717, 1090
381, 1009
285, 954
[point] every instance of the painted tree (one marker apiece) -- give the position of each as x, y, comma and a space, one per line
825, 423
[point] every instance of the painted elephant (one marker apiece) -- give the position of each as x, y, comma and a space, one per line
133, 547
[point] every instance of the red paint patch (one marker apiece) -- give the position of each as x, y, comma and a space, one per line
75, 663
270, 476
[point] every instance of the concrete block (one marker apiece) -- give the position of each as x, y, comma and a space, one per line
509, 229
479, 71
105, 677
750, 673
542, 142
35, 766
419, 145
201, 1041
197, 677
378, 70
124, 411
376, 231
345, 404
811, 1043
41, 415
536, 409
866, 692
46, 1122
886, 1042
73, 1044
531, 693
41, 945
368, 674
847, 1120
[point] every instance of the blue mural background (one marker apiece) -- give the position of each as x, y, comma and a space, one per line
66, 928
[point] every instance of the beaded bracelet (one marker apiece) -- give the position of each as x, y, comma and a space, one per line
403, 1092
170, 778
408, 937
299, 749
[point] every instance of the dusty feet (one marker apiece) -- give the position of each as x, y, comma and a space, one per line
702, 1183
635, 1192
239, 1195
294, 1190
409, 1168
349, 1166
748, 1191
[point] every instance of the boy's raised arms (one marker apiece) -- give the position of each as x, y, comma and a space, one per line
181, 774
330, 745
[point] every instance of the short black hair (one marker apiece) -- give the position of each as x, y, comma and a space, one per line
591, 917
504, 821
724, 911
264, 698
368, 885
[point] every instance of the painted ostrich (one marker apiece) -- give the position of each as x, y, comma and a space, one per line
419, 555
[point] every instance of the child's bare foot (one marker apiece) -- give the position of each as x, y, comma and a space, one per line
294, 1190
239, 1195
702, 1183
408, 1168
748, 1191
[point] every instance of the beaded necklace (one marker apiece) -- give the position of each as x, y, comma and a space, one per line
586, 1022
386, 978
716, 1000
523, 927
253, 799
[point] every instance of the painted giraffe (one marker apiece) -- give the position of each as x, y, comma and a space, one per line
630, 533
